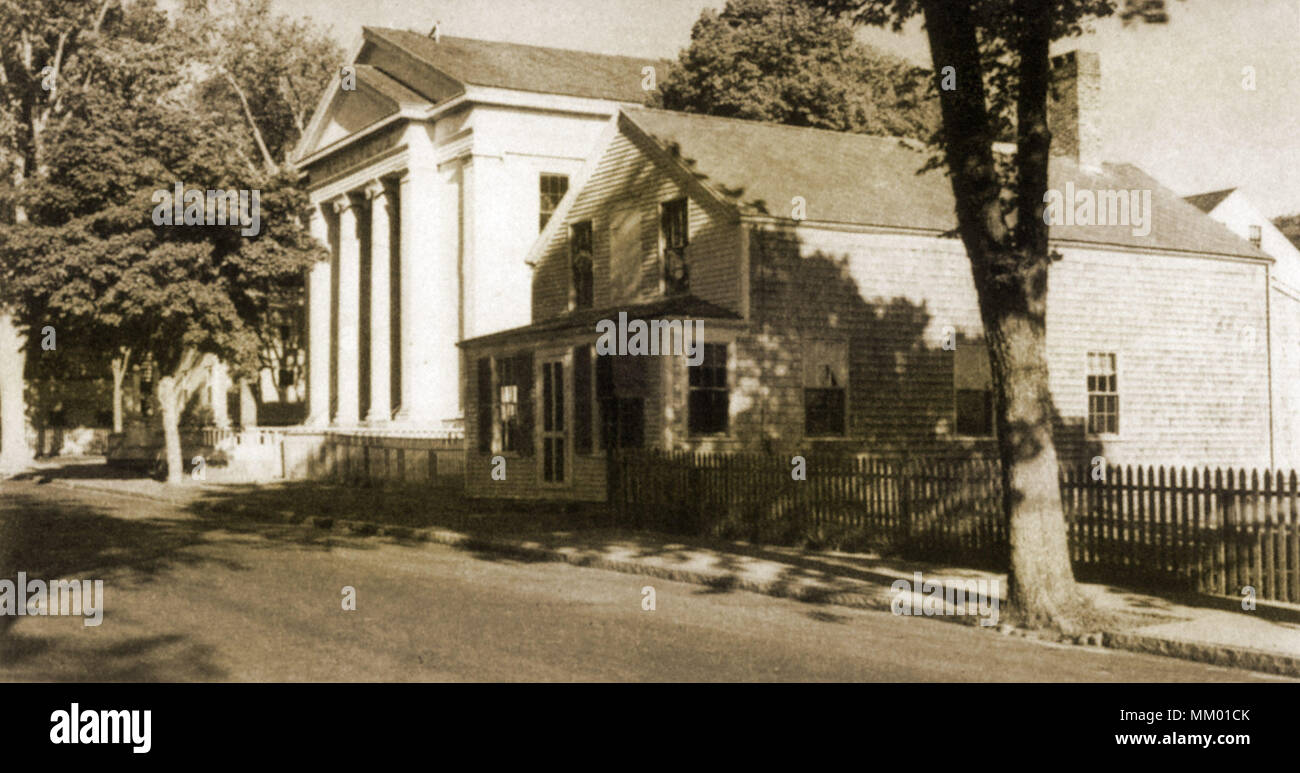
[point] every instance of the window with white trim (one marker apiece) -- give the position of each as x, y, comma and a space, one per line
553, 188
1103, 394
708, 405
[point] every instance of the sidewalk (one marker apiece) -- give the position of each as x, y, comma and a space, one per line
1202, 628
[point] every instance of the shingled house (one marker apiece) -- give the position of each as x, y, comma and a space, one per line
1236, 211
838, 310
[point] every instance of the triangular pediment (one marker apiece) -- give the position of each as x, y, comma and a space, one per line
360, 97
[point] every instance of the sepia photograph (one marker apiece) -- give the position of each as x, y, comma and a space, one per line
543, 342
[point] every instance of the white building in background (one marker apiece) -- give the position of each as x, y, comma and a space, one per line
1232, 208
432, 164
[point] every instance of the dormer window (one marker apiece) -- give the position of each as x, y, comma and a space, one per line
674, 233
553, 188
1256, 235
580, 260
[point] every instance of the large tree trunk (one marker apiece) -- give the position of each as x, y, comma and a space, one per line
169, 401
1042, 592
14, 451
1010, 256
119, 365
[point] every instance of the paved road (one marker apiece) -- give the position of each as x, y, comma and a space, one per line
190, 598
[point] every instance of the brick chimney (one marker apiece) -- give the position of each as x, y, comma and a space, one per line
1074, 107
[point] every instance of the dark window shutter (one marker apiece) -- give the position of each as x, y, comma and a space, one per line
582, 399
524, 373
608, 403
484, 405
631, 422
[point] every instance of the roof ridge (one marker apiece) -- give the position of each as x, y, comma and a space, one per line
1212, 193
522, 45
908, 141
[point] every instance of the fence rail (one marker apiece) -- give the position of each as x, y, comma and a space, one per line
1211, 531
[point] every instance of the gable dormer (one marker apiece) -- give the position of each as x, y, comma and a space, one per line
640, 226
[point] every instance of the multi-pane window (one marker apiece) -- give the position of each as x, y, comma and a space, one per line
825, 388
580, 256
553, 188
707, 406
1103, 394
972, 381
675, 233
553, 428
505, 414
507, 404
1256, 235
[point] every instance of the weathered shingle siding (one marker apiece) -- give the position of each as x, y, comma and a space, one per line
889, 298
1193, 378
627, 177
1192, 338
1285, 339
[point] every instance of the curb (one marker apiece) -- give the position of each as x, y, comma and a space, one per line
1212, 654
1201, 652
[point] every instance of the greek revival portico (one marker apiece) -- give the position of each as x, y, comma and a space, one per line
431, 164
383, 302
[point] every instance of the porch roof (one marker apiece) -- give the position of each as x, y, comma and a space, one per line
677, 307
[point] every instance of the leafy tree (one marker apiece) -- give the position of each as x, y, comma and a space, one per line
43, 57
790, 62
132, 88
999, 49
93, 259
266, 73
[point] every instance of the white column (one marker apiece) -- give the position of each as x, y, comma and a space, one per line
380, 330
430, 292
318, 328
349, 343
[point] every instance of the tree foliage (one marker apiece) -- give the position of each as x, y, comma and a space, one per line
789, 62
88, 256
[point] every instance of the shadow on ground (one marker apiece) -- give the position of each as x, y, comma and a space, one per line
49, 529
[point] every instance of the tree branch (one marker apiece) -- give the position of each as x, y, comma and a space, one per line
271, 166
967, 130
1033, 139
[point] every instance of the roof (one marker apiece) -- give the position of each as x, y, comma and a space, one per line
388, 87
867, 180
526, 68
675, 307
1206, 202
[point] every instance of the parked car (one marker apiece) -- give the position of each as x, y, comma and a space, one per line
144, 448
